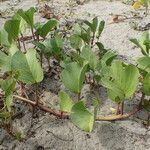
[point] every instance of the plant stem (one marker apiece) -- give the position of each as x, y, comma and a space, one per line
41, 58
22, 89
24, 99
79, 96
32, 33
66, 116
36, 94
49, 65
122, 107
19, 45
142, 99
118, 109
92, 42
23, 43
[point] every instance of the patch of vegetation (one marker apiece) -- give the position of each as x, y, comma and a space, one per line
21, 66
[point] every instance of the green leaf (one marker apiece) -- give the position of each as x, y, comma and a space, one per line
100, 46
56, 44
107, 58
146, 84
65, 102
5, 59
76, 41
13, 49
28, 16
81, 117
92, 25
122, 81
76, 29
44, 47
95, 24
114, 92
144, 63
12, 28
23, 24
100, 28
4, 38
9, 102
131, 80
73, 76
5, 62
86, 35
90, 57
28, 66
8, 87
141, 43
47, 27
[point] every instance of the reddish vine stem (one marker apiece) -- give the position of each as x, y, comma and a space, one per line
26, 38
58, 114
32, 33
19, 45
23, 42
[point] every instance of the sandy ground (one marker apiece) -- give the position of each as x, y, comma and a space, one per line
48, 133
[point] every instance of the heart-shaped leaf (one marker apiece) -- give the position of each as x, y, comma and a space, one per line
12, 28
114, 92
28, 66
73, 76
122, 81
65, 102
81, 117
90, 57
